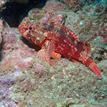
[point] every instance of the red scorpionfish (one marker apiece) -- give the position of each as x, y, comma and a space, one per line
50, 34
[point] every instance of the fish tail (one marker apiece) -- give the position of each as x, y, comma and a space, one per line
93, 67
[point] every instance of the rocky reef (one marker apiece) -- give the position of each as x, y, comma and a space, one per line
28, 81
1, 28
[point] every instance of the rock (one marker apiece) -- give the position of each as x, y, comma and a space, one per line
2, 3
1, 30
73, 4
14, 51
55, 6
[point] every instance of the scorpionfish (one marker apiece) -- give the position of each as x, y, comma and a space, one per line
51, 34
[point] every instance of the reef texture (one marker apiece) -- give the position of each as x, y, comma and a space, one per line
73, 4
54, 5
28, 81
2, 3
14, 52
1, 31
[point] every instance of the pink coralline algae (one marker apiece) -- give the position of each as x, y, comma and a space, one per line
15, 52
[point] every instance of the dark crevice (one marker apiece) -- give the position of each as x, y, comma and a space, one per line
15, 12
31, 45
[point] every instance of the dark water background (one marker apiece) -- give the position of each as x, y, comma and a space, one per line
15, 12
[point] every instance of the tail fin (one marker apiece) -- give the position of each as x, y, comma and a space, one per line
93, 66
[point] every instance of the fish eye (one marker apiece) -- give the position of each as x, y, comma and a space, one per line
30, 28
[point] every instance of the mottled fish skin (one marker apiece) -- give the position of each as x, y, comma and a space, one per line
64, 41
